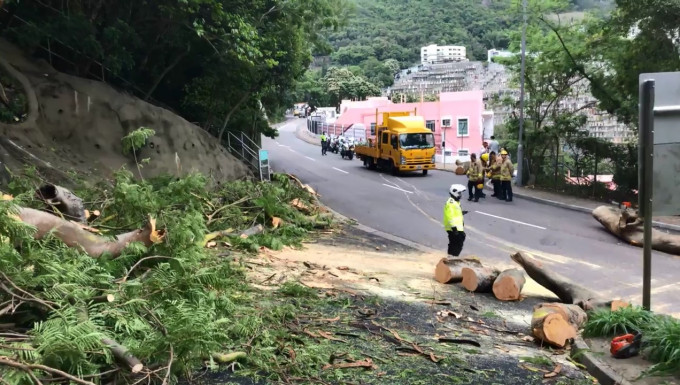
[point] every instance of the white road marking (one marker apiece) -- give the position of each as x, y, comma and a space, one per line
312, 159
337, 169
291, 150
511, 220
397, 188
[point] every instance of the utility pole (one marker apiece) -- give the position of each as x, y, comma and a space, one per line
520, 146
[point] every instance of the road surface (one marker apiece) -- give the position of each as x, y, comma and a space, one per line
410, 206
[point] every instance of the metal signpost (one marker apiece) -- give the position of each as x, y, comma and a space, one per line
659, 158
263, 158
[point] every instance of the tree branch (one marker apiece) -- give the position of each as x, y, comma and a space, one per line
29, 368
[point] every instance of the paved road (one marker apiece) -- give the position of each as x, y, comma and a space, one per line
410, 206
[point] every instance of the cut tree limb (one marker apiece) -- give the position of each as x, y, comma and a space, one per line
508, 286
449, 270
62, 201
566, 290
626, 225
74, 236
557, 323
479, 279
257, 229
123, 356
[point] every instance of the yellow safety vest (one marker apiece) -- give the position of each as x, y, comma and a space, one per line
323, 137
453, 215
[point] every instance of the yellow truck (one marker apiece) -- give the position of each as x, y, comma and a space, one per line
401, 143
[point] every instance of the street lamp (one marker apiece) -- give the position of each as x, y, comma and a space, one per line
520, 147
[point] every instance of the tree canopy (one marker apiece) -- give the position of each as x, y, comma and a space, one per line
222, 63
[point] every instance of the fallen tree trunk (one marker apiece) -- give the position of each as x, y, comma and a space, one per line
508, 286
62, 201
449, 270
566, 290
479, 279
557, 323
93, 245
626, 225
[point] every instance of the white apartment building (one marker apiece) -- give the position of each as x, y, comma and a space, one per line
433, 54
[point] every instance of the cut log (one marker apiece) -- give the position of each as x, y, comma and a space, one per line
123, 356
62, 201
557, 324
508, 285
626, 225
479, 279
566, 290
449, 270
93, 245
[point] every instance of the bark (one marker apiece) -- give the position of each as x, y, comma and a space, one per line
479, 279
566, 290
508, 286
74, 236
449, 270
556, 323
257, 229
62, 201
626, 225
123, 356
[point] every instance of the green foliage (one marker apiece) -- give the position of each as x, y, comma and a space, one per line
17, 106
135, 140
293, 289
341, 83
212, 61
172, 290
663, 346
607, 323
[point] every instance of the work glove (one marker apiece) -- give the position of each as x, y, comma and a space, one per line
465, 212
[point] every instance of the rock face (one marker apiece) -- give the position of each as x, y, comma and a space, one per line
77, 124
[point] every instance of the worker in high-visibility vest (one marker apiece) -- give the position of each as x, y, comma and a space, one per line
507, 169
324, 143
453, 220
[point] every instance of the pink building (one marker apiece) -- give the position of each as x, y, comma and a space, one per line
458, 119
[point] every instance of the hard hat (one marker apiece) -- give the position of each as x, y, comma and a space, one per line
503, 152
485, 157
456, 190
480, 186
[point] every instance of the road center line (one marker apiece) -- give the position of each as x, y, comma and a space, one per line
337, 169
312, 159
291, 150
397, 188
511, 220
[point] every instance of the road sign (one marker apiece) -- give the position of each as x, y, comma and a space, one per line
264, 165
665, 142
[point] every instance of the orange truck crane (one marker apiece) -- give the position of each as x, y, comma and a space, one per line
401, 143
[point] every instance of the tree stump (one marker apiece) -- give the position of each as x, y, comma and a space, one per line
508, 285
478, 279
449, 270
556, 323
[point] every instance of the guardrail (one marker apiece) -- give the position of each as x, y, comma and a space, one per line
317, 128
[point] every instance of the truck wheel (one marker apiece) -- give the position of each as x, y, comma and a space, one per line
424, 172
371, 164
394, 170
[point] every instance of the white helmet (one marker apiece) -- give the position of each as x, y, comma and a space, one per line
456, 190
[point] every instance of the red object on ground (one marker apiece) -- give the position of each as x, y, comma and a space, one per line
625, 346
627, 204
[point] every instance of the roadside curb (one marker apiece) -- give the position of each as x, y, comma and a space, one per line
549, 202
603, 373
303, 134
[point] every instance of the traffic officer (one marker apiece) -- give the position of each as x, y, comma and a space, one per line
507, 169
453, 220
324, 143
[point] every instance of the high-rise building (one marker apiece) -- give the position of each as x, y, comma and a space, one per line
433, 54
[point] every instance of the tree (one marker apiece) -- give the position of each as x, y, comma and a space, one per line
341, 83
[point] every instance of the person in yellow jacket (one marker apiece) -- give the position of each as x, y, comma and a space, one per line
507, 169
475, 175
453, 220
495, 174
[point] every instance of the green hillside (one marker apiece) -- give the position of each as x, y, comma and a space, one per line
398, 28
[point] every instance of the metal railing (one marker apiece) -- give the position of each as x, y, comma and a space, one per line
317, 128
238, 146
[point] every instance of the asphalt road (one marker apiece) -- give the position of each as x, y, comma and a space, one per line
410, 206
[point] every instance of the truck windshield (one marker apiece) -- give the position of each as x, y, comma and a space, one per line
410, 141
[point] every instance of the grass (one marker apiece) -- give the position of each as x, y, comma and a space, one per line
607, 323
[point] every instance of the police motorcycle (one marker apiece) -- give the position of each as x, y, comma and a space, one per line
334, 145
347, 149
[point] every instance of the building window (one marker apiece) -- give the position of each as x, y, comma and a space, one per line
446, 122
372, 128
429, 124
463, 129
463, 152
